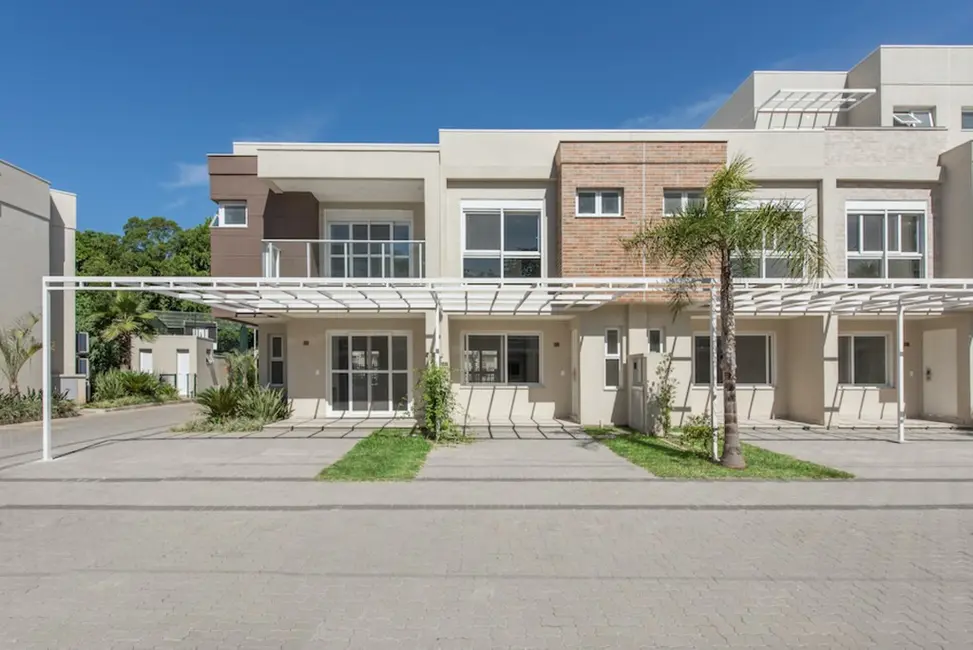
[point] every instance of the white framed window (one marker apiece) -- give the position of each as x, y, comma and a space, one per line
966, 119
231, 214
371, 249
863, 359
677, 201
768, 262
913, 117
657, 342
613, 358
885, 239
277, 373
502, 239
754, 359
598, 203
502, 358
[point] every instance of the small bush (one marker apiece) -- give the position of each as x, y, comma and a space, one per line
110, 385
266, 404
435, 403
28, 407
220, 402
142, 383
697, 433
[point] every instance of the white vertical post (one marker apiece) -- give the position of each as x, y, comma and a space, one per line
900, 371
712, 371
437, 334
307, 257
46, 370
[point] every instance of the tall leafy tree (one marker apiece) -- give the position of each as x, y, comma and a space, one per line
726, 232
17, 345
125, 318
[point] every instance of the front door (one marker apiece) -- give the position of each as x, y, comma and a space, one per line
182, 372
939, 389
370, 373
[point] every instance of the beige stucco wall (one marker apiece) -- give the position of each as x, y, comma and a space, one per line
550, 399
954, 231
598, 404
164, 357
802, 366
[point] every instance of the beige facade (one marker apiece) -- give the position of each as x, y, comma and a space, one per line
509, 204
37, 232
186, 361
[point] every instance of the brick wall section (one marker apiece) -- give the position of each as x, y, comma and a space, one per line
590, 246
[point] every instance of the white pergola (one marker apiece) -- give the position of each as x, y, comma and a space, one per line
815, 100
254, 297
251, 297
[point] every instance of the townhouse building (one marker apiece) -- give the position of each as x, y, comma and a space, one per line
878, 158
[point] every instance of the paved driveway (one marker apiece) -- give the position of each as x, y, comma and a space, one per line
875, 454
170, 542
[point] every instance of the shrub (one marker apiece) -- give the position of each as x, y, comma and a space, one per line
110, 385
436, 402
266, 404
27, 407
698, 434
241, 369
220, 402
117, 384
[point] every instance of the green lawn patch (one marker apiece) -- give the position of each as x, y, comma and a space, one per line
385, 455
665, 458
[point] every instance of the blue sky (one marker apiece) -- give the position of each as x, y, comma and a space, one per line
121, 101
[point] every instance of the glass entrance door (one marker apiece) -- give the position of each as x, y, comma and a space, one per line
369, 373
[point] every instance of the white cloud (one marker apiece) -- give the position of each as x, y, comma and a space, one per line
689, 116
178, 203
189, 175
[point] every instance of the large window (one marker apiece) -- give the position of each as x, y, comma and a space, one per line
276, 361
369, 372
677, 201
231, 214
863, 359
599, 203
503, 359
768, 262
886, 240
502, 242
371, 249
613, 358
753, 359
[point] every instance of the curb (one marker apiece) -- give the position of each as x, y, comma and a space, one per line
134, 407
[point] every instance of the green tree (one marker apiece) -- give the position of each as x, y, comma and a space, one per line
728, 231
17, 345
126, 317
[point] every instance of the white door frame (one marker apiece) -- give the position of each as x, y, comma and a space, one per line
329, 365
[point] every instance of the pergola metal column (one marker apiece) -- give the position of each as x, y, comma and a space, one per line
712, 371
46, 383
900, 370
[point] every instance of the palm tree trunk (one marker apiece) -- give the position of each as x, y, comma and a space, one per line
732, 451
127, 353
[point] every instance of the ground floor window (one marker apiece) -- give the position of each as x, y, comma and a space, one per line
613, 358
276, 360
502, 359
863, 360
369, 372
754, 357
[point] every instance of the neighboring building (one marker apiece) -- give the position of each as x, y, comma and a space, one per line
37, 233
184, 360
189, 323
878, 157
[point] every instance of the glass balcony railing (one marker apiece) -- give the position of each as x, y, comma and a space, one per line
343, 258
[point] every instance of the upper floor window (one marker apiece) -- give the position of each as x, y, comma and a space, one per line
886, 239
769, 261
231, 215
502, 239
599, 203
677, 201
966, 119
913, 117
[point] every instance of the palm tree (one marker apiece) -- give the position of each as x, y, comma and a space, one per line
728, 231
126, 317
17, 346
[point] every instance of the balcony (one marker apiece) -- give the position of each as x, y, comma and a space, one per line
343, 258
